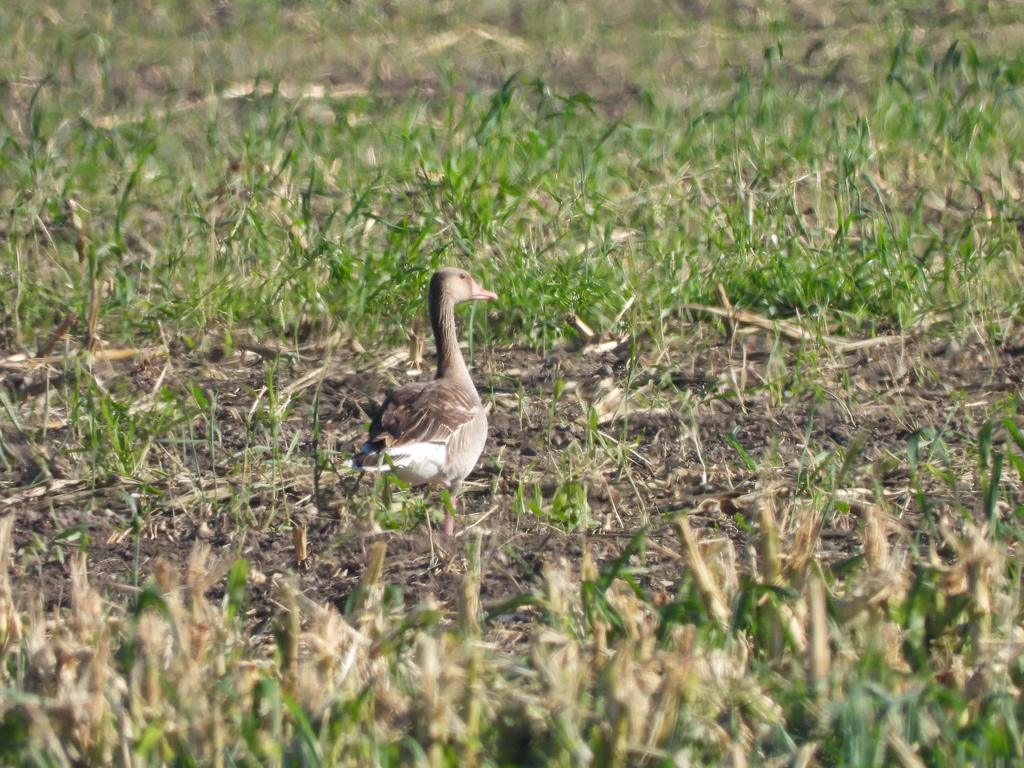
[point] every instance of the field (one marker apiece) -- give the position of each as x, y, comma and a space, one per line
754, 481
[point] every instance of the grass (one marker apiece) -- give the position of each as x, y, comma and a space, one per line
250, 199
310, 204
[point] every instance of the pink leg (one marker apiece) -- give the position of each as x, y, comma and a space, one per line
449, 512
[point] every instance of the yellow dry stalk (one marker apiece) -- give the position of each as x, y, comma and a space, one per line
289, 630
556, 658
876, 546
10, 625
714, 601
598, 626
154, 646
183, 649
85, 676
640, 622
768, 550
201, 575
469, 607
371, 591
636, 650
634, 681
803, 546
720, 680
470, 631
884, 579
784, 622
905, 755
338, 658
441, 672
981, 565
69, 667
819, 654
720, 555
556, 588
666, 704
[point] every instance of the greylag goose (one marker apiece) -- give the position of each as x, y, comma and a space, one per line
432, 433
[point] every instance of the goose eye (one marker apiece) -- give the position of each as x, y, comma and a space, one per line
463, 275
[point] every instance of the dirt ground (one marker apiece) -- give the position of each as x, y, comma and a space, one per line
666, 416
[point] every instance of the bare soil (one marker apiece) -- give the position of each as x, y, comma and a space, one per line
675, 410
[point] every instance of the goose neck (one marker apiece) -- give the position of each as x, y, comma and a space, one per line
450, 363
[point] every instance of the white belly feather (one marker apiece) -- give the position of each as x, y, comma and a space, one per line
415, 463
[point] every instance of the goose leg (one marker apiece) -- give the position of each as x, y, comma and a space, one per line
449, 510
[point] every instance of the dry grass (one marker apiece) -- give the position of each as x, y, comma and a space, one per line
608, 678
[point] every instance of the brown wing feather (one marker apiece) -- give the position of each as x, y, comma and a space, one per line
428, 412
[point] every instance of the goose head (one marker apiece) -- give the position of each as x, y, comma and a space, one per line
457, 285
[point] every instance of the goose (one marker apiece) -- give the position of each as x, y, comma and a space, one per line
433, 432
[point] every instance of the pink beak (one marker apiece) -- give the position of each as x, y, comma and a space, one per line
481, 294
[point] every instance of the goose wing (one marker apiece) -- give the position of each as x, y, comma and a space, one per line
416, 423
